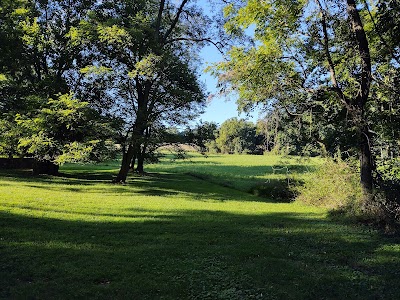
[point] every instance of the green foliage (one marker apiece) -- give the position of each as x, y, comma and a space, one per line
390, 169
202, 135
41, 53
39, 144
37, 52
63, 130
95, 70
146, 67
212, 147
236, 136
334, 185
304, 64
113, 34
387, 24
10, 134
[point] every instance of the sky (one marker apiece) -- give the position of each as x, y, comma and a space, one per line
218, 109
221, 108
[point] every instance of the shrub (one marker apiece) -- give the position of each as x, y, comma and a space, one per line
212, 147
333, 185
384, 208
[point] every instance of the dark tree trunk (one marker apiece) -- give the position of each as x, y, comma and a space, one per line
141, 156
125, 164
366, 163
140, 165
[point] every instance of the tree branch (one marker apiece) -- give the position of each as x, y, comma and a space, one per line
332, 70
175, 21
291, 114
217, 45
383, 41
159, 17
363, 49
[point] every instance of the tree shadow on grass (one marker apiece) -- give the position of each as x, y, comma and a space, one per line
162, 185
242, 171
65, 176
273, 183
194, 255
278, 190
25, 176
242, 180
194, 163
126, 214
99, 176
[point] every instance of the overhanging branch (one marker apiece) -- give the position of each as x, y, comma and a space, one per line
217, 45
175, 21
331, 64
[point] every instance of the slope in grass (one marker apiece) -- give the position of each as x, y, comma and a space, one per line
268, 176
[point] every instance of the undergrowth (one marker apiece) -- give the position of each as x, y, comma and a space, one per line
334, 185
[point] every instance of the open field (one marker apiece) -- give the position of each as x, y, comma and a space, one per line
268, 176
172, 235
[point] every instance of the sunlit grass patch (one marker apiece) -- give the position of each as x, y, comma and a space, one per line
269, 176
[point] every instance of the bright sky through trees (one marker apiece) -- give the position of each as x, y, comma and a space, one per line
219, 108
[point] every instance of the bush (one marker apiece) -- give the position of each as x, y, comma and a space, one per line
333, 185
384, 208
212, 147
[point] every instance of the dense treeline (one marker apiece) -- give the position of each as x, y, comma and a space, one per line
331, 65
333, 68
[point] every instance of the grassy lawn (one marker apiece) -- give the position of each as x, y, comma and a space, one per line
266, 176
172, 235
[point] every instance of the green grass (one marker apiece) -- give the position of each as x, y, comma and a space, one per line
170, 235
268, 176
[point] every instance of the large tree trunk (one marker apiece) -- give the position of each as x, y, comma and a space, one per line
125, 164
356, 107
141, 155
366, 164
137, 134
140, 164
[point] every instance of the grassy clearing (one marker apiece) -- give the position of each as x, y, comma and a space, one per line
174, 236
268, 176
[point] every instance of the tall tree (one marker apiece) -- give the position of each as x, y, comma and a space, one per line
149, 47
308, 55
236, 136
39, 61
